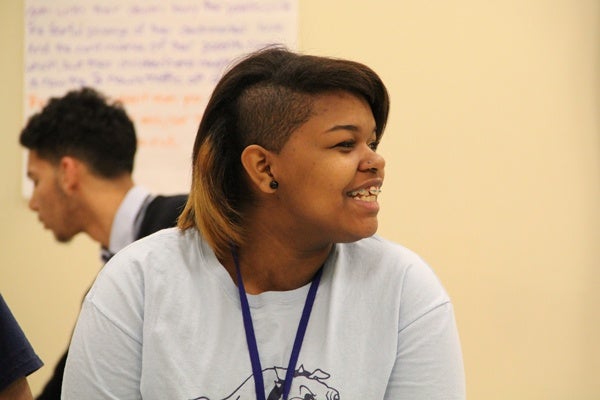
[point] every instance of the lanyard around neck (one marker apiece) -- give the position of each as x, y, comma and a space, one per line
251, 338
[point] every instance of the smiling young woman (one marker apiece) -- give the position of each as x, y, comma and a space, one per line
277, 240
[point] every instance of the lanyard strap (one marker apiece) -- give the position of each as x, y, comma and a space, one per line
251, 338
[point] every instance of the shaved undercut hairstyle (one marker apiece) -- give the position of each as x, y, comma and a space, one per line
261, 100
86, 125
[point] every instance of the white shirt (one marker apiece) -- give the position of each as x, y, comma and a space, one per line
127, 220
163, 321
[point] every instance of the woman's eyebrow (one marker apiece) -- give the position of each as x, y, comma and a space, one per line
352, 128
334, 128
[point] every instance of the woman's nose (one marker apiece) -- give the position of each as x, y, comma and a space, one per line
373, 162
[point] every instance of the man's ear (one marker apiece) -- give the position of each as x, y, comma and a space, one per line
69, 174
257, 164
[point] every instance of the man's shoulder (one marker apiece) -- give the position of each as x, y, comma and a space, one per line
162, 212
162, 202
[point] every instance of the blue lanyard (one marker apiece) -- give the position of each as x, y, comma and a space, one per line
259, 385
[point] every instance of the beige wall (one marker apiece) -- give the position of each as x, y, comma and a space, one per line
493, 175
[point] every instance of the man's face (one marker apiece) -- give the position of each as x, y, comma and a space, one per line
49, 200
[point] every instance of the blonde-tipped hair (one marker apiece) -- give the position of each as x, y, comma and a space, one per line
218, 219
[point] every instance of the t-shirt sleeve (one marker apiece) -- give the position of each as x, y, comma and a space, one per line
105, 354
115, 375
17, 357
429, 363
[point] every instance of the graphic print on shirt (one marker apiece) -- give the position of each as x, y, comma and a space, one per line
305, 386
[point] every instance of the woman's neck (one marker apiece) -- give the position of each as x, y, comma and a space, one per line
274, 265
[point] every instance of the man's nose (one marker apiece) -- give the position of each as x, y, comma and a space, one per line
32, 203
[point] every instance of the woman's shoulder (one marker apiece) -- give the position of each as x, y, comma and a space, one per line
384, 262
380, 251
168, 251
167, 243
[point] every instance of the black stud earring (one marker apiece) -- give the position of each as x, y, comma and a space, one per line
273, 184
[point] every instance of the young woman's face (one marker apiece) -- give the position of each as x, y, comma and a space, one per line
329, 173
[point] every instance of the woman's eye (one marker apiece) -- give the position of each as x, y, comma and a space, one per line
350, 144
346, 145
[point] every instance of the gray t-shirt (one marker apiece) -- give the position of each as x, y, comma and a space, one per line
163, 321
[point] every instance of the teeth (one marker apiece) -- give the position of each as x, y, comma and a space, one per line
371, 192
374, 190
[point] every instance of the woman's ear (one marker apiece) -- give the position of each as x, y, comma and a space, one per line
257, 163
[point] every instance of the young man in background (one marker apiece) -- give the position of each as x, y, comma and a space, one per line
81, 156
